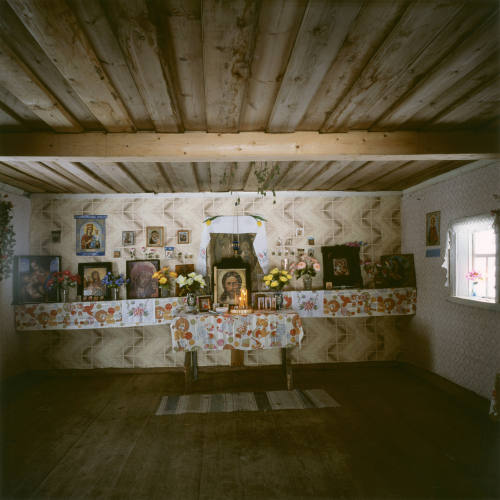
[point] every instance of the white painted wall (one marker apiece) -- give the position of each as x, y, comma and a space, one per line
458, 342
12, 360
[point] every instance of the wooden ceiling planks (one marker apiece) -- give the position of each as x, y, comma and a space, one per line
30, 183
324, 27
244, 65
96, 27
279, 22
27, 49
180, 21
18, 79
138, 39
58, 32
375, 90
463, 57
372, 25
228, 42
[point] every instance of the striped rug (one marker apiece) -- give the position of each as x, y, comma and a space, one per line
245, 401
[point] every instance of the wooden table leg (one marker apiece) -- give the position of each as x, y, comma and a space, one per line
287, 367
190, 368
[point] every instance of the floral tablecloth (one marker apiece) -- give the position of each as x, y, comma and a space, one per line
352, 302
123, 313
106, 314
229, 331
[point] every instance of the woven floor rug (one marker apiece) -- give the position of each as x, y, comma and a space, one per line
245, 401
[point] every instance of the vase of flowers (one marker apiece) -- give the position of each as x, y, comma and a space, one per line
188, 286
166, 280
306, 268
474, 277
276, 280
113, 283
63, 281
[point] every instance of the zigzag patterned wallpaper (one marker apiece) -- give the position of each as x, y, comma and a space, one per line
335, 220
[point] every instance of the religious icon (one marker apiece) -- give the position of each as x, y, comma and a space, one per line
228, 284
91, 276
154, 236
141, 284
433, 220
128, 238
90, 234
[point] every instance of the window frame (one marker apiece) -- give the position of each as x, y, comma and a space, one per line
459, 254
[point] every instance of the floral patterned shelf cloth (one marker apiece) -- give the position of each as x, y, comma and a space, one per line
229, 331
87, 315
352, 302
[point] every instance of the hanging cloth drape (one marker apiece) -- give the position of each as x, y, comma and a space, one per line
226, 224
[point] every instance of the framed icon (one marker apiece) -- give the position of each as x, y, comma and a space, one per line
141, 284
183, 237
154, 236
128, 238
228, 284
204, 303
91, 276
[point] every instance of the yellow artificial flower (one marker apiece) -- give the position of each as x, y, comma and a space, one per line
208, 222
165, 268
283, 272
155, 276
284, 279
163, 281
289, 276
275, 271
172, 274
274, 283
259, 223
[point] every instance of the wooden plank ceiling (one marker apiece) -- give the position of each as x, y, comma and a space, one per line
227, 66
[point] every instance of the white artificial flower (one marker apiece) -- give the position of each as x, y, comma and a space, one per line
190, 281
192, 275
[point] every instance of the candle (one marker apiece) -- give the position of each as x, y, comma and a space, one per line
243, 298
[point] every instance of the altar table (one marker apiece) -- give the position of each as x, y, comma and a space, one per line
259, 330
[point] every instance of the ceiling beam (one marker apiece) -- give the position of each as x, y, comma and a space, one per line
250, 146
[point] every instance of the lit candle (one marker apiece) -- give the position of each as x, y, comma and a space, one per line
243, 299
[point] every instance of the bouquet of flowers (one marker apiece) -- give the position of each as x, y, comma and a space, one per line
114, 280
190, 283
165, 277
306, 265
150, 253
62, 280
474, 276
277, 279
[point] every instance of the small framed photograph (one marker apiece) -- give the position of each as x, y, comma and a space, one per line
300, 252
30, 277
56, 236
141, 284
432, 229
183, 237
299, 231
154, 236
310, 240
204, 303
310, 252
329, 285
128, 238
259, 301
288, 242
170, 252
117, 254
91, 276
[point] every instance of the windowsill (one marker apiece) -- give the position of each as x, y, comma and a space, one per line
481, 303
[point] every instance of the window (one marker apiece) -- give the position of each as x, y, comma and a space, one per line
472, 259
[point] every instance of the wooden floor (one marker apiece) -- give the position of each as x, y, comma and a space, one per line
97, 436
